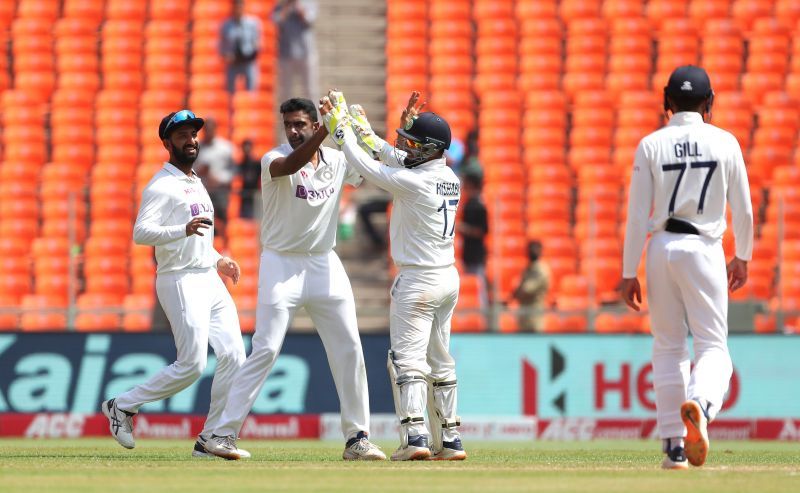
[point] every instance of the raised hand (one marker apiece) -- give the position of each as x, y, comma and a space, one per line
333, 109
411, 111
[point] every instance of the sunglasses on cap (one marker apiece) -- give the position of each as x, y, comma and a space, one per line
180, 117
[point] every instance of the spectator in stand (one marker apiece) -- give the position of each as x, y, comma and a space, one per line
297, 48
376, 203
470, 164
240, 42
532, 290
250, 169
474, 227
215, 166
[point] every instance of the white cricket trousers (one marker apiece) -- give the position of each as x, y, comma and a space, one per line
421, 310
319, 283
201, 312
687, 290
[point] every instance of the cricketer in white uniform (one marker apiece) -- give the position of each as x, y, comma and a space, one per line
425, 193
175, 217
301, 183
687, 171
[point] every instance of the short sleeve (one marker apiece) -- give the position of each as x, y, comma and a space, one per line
265, 163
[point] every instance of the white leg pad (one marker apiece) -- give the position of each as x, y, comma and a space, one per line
408, 392
442, 403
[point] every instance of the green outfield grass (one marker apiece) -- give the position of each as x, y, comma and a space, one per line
100, 465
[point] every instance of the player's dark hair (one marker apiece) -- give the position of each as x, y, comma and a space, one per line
534, 250
300, 104
688, 104
473, 179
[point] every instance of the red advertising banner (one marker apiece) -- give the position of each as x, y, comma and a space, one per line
625, 429
311, 426
70, 425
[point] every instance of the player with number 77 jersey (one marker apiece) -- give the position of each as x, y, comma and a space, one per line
685, 173
424, 293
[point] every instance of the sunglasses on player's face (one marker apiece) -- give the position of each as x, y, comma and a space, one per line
179, 117
413, 144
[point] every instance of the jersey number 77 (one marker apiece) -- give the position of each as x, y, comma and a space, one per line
711, 165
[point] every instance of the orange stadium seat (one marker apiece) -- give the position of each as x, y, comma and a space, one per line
60, 265
53, 284
45, 10
111, 284
746, 11
27, 208
19, 265
171, 11
9, 318
702, 11
137, 312
90, 321
659, 11
33, 61
788, 12
43, 321
211, 10
12, 246
6, 14
126, 10
14, 284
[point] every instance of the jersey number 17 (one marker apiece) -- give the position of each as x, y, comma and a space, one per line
453, 203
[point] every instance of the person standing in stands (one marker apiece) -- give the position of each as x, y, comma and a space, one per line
240, 42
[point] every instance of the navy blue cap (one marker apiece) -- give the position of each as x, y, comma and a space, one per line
428, 128
175, 120
689, 82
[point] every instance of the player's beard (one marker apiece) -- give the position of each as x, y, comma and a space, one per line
298, 140
184, 159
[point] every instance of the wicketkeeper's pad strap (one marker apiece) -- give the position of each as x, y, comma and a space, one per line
451, 422
412, 420
405, 379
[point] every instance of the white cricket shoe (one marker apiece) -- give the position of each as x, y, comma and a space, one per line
225, 447
199, 450
675, 459
417, 449
120, 423
451, 451
360, 448
696, 442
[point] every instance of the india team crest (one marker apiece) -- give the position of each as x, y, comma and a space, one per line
325, 174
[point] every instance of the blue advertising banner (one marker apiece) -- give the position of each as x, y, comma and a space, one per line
64, 372
549, 377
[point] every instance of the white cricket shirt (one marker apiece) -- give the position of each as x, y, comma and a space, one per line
169, 201
301, 211
688, 170
424, 208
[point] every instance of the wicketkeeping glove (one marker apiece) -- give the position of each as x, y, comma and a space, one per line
367, 140
338, 119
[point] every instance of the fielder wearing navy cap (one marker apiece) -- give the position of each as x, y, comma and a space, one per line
175, 120
689, 82
689, 85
